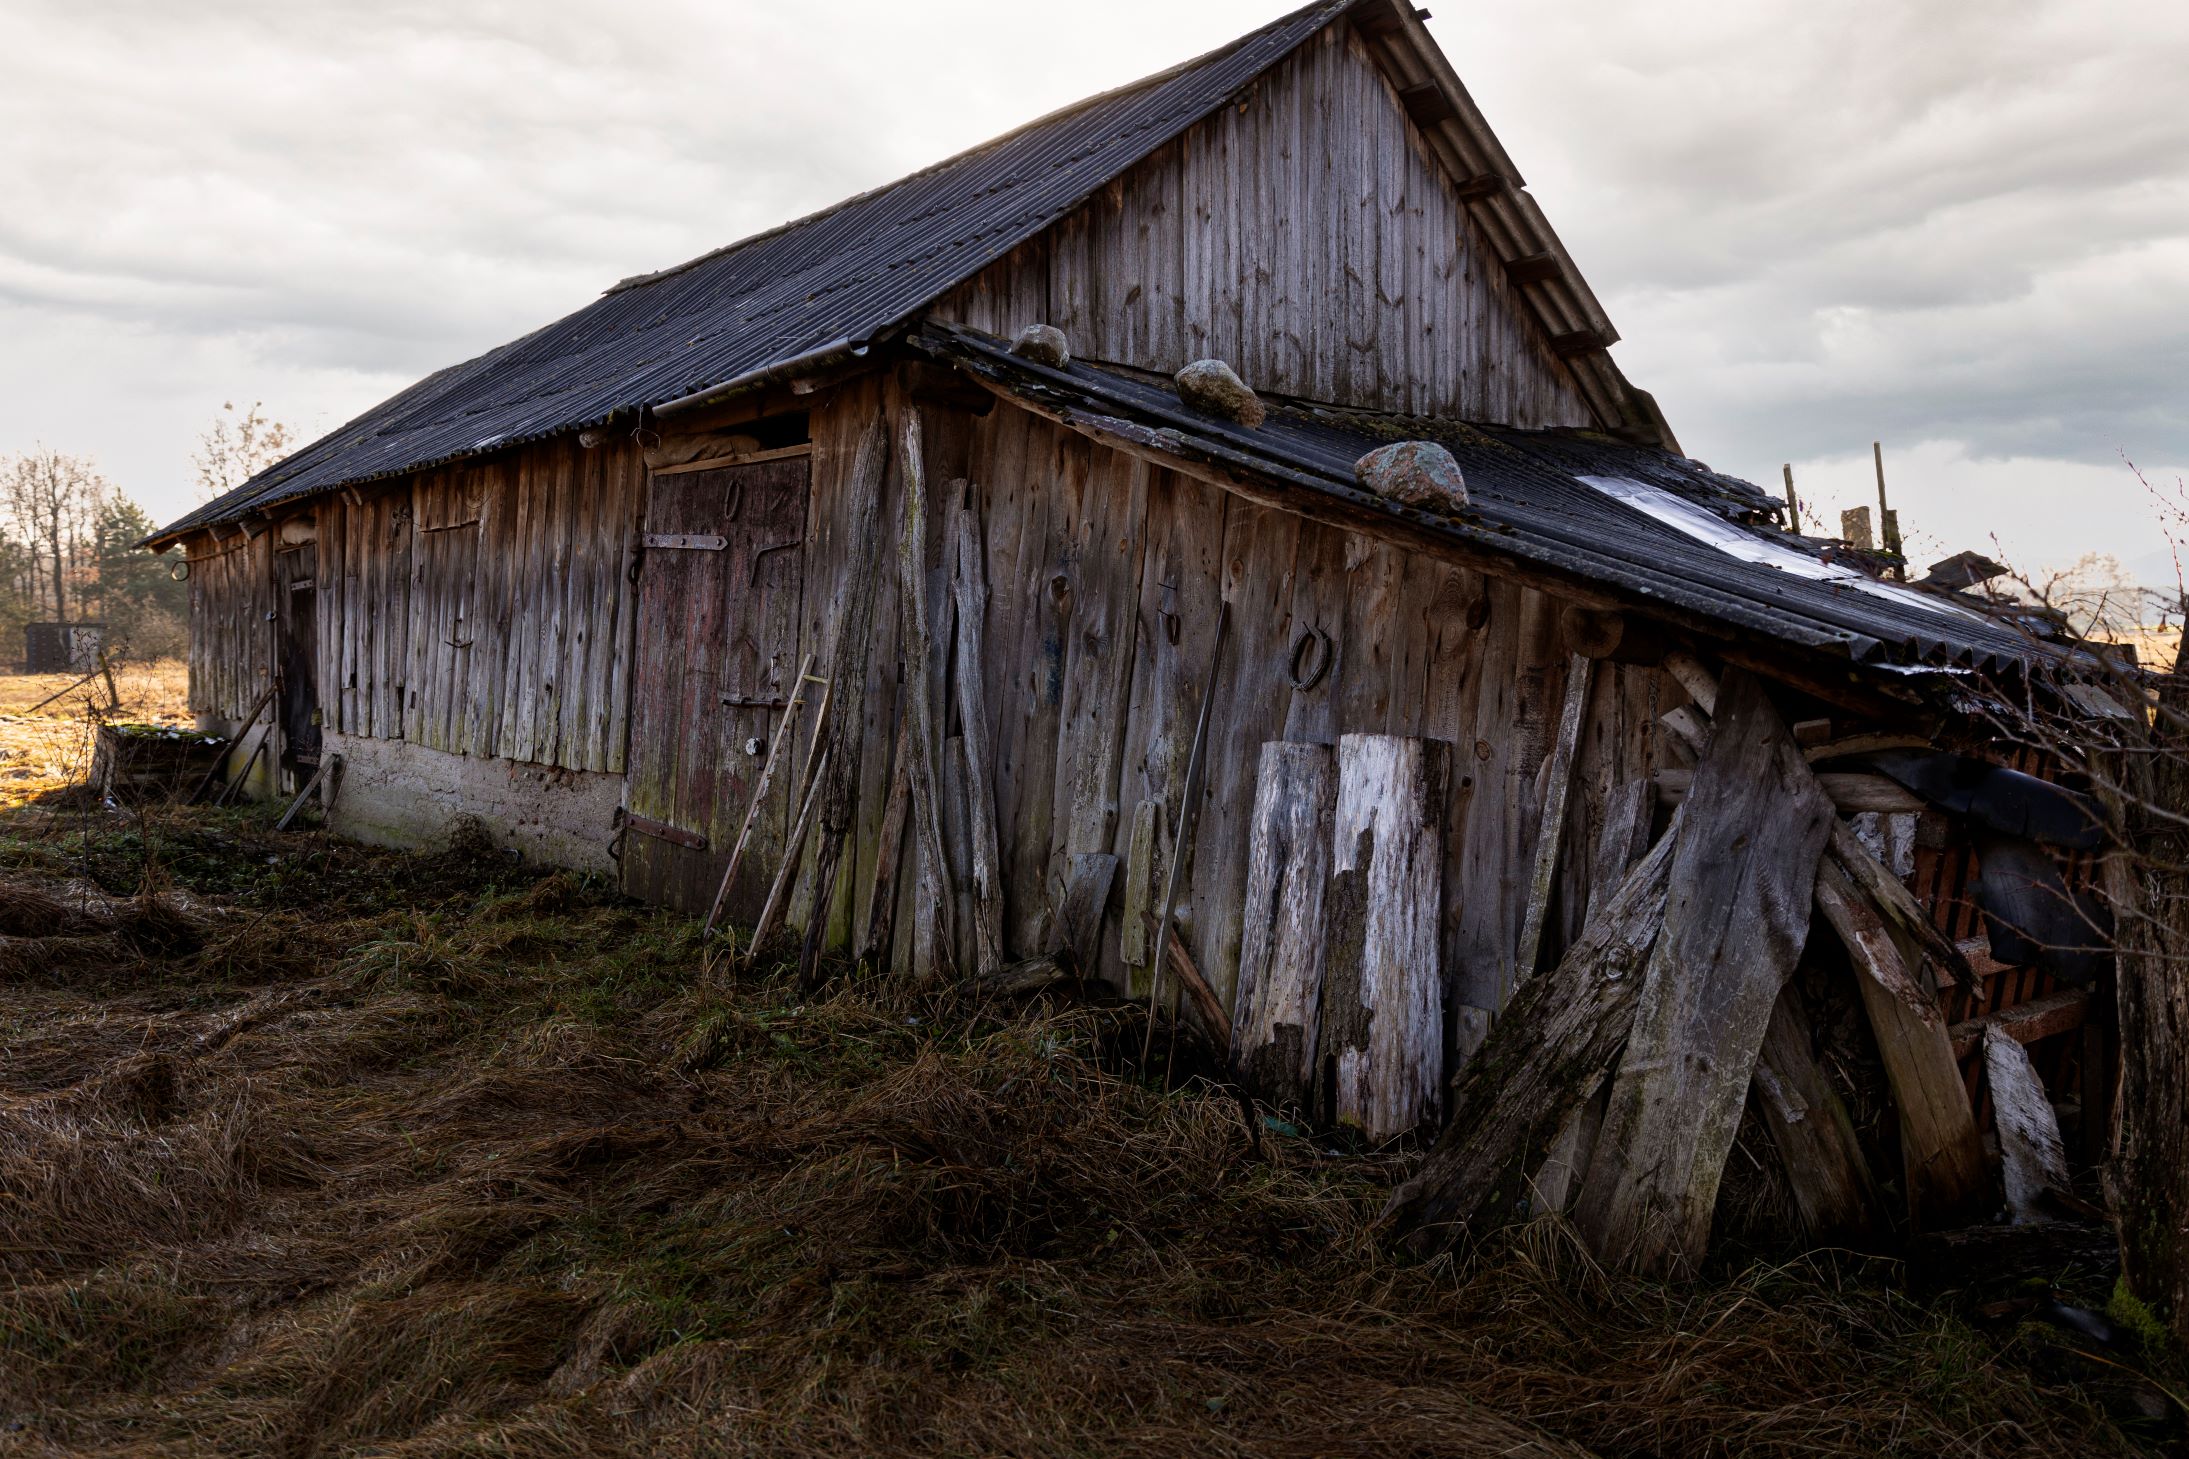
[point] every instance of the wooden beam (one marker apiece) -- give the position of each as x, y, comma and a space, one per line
1577, 342
1483, 187
1534, 268
1427, 104
932, 908
2041, 1018
2031, 1159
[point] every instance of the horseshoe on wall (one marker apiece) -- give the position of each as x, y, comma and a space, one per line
1312, 652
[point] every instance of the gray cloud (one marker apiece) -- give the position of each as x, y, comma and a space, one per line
1963, 230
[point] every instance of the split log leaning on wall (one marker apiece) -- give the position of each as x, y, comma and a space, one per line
1735, 922
1717, 912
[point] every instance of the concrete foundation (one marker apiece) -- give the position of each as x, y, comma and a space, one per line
394, 793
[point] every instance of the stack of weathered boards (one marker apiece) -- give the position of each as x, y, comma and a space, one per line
1613, 1086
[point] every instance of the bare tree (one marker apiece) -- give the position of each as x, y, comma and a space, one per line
238, 447
53, 502
2122, 725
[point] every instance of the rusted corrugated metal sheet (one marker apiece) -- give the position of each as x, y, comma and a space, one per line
847, 274
1532, 499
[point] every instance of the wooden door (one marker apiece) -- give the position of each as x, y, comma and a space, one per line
299, 649
717, 653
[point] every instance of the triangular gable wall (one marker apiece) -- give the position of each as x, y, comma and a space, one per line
1306, 234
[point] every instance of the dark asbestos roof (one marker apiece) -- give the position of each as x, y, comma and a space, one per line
1529, 501
841, 277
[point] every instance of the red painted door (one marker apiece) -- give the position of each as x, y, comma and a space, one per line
717, 655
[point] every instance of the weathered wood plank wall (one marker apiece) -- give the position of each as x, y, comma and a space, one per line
483, 609
231, 633
1106, 575
1306, 235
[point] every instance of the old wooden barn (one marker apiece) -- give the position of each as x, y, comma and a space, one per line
1389, 676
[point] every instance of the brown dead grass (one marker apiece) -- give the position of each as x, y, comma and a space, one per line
313, 1150
50, 750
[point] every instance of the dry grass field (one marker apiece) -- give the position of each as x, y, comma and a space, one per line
47, 750
307, 1149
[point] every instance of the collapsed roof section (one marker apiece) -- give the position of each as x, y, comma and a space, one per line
834, 283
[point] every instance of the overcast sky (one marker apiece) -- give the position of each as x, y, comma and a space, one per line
1961, 229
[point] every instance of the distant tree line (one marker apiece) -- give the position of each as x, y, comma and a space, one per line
69, 540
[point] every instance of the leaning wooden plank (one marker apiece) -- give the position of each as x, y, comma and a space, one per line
1941, 1153
1551, 826
784, 732
2030, 1156
1382, 1025
771, 914
932, 907
1892, 900
1540, 1062
970, 583
1277, 1004
1208, 1009
1834, 1190
1739, 912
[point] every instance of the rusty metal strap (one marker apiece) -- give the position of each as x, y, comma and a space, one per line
663, 831
699, 542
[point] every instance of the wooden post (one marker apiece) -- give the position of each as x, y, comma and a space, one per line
1551, 827
1888, 520
1276, 1010
1793, 503
1741, 882
1382, 1029
970, 583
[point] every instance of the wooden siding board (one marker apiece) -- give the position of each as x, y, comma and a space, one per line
1315, 214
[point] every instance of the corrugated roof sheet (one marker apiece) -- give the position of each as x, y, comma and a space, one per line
849, 273
1531, 499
